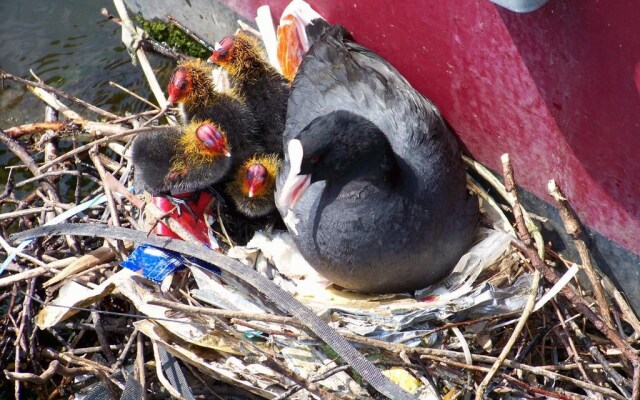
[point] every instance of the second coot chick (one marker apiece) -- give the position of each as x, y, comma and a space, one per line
191, 87
373, 188
172, 161
263, 89
252, 189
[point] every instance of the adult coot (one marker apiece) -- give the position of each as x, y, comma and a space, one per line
372, 188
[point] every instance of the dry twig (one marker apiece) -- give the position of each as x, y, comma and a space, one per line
510, 185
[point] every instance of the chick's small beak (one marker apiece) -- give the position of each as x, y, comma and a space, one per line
255, 179
215, 56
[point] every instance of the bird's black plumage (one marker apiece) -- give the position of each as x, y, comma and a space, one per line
235, 118
387, 209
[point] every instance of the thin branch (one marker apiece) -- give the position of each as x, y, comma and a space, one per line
6, 75
24, 156
190, 33
130, 93
613, 375
510, 186
36, 127
129, 27
580, 303
228, 314
442, 355
88, 146
139, 366
572, 226
55, 367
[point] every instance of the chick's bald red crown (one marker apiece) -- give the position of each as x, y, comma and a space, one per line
254, 179
222, 51
179, 85
213, 139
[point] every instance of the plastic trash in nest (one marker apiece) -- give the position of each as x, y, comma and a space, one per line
156, 264
400, 318
211, 290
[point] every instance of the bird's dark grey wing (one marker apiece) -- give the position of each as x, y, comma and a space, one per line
339, 74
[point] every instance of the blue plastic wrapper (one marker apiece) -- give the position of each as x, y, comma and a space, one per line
157, 263
154, 262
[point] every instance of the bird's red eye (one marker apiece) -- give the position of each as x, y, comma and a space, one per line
315, 159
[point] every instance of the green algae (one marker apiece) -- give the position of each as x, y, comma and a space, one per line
173, 36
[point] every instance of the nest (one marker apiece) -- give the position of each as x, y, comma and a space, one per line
511, 321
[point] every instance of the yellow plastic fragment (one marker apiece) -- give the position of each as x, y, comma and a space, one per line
403, 378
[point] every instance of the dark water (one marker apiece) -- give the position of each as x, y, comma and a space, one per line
72, 47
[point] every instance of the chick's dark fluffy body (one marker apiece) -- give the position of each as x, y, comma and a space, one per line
153, 154
264, 90
266, 97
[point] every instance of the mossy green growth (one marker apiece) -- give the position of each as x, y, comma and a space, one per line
173, 36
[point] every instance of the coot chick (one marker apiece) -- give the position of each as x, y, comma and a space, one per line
373, 189
171, 161
191, 87
252, 189
264, 90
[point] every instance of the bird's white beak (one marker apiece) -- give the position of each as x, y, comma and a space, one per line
295, 185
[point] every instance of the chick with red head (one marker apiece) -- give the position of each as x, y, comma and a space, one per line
264, 90
252, 189
171, 161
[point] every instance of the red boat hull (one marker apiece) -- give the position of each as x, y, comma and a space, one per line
558, 89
